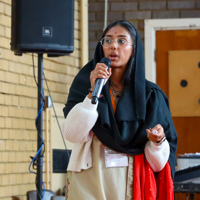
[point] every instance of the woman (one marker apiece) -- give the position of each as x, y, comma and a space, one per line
125, 145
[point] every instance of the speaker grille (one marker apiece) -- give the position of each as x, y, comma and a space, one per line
45, 26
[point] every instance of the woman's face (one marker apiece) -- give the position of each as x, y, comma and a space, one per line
119, 54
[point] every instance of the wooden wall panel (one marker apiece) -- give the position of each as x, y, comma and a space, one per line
184, 83
188, 128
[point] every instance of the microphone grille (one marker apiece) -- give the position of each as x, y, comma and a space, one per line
106, 61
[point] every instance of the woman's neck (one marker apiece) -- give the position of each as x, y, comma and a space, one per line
116, 81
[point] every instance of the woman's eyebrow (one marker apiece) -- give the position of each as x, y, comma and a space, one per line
117, 36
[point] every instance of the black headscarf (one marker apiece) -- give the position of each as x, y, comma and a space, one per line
142, 105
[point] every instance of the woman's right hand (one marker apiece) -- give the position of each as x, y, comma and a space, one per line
100, 71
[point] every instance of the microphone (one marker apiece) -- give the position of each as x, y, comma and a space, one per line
100, 82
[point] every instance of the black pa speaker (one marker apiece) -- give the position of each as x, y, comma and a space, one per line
42, 26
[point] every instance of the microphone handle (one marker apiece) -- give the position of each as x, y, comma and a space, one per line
97, 90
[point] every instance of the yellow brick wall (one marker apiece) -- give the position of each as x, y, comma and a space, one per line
18, 104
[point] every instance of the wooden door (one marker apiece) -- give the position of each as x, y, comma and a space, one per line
187, 127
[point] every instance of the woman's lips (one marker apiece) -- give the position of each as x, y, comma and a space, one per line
113, 57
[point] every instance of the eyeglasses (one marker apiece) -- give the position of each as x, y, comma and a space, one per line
108, 42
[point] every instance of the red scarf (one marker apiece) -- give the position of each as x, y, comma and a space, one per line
148, 185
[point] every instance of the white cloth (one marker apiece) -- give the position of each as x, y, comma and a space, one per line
157, 155
77, 129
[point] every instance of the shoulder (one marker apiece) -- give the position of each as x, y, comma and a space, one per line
150, 85
154, 89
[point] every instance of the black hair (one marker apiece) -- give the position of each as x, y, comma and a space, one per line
131, 29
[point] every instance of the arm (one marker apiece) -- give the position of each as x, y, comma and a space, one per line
80, 120
158, 106
157, 154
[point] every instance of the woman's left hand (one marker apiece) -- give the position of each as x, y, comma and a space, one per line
155, 134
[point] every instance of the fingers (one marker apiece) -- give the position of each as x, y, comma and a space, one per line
100, 71
156, 133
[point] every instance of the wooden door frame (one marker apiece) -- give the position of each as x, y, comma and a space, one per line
153, 25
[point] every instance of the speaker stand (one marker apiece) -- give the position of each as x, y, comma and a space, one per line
39, 181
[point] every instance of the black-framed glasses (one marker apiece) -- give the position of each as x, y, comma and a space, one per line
108, 41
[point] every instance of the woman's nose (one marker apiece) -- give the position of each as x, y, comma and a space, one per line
114, 44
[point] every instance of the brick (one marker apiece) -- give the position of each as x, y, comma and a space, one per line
11, 77
5, 42
76, 24
138, 15
2, 75
190, 13
1, 98
2, 167
141, 24
165, 14
92, 35
124, 6
22, 79
12, 179
2, 192
5, 133
76, 15
2, 8
8, 100
22, 102
5, 180
9, 146
25, 178
4, 111
14, 134
4, 157
15, 147
8, 10
181, 4
15, 189
5, 20
19, 90
12, 156
7, 2
76, 5
15, 100
4, 65
2, 125
7, 54
11, 66
18, 179
92, 44
112, 16
29, 124
97, 7
9, 168
29, 72
154, 5
29, 81
2, 31
11, 111
91, 17
15, 124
